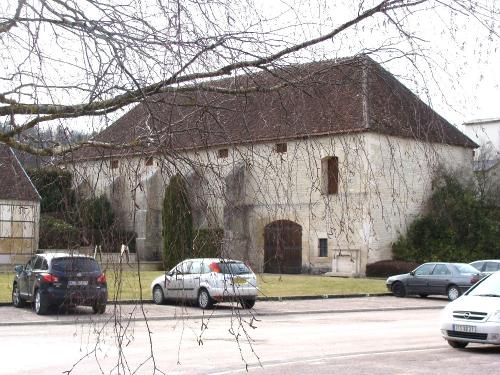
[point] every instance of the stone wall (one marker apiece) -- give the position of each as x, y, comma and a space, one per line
383, 184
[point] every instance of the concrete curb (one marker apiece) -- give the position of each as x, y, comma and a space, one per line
284, 298
242, 313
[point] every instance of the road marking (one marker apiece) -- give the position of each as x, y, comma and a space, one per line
271, 364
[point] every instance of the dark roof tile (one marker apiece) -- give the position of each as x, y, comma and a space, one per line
328, 97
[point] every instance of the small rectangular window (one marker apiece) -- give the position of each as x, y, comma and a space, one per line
149, 161
223, 153
114, 164
333, 175
281, 148
323, 247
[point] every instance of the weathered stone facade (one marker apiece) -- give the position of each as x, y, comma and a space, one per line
321, 175
383, 183
19, 222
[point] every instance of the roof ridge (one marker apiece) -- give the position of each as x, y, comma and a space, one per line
327, 97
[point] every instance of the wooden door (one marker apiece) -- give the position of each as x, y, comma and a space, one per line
283, 247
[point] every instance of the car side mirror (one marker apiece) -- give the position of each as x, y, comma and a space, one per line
19, 268
169, 273
412, 273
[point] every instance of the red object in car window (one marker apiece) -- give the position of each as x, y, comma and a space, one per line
214, 267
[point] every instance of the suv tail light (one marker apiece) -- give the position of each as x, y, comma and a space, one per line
214, 267
101, 279
49, 278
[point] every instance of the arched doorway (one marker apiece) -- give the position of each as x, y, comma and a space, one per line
283, 247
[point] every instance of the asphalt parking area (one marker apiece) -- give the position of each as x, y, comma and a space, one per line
11, 316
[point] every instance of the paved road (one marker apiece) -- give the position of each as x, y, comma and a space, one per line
12, 316
380, 335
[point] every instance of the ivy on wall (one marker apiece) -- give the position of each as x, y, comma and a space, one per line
461, 224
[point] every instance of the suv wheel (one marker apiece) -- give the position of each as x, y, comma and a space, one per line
204, 299
17, 300
40, 304
99, 308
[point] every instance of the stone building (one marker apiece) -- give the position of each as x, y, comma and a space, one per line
19, 210
321, 174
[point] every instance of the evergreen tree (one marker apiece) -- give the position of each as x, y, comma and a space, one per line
177, 223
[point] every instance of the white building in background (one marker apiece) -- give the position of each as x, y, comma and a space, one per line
322, 175
486, 133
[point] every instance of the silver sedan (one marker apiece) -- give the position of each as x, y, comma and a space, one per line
207, 281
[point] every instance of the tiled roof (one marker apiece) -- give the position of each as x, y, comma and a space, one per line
14, 183
328, 97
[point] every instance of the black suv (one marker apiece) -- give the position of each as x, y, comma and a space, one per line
56, 279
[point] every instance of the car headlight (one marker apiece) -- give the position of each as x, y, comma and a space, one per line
446, 314
495, 317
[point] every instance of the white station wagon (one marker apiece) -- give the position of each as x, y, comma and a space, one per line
475, 316
207, 281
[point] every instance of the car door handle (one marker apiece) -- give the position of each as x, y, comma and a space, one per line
196, 277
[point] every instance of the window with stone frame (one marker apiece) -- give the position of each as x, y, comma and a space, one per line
330, 175
222, 153
114, 164
281, 148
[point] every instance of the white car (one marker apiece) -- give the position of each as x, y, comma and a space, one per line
487, 266
475, 316
207, 281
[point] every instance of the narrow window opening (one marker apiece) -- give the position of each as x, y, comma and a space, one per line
149, 161
223, 153
114, 164
323, 247
281, 148
330, 175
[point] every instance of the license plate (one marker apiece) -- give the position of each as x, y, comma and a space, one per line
77, 282
464, 328
239, 281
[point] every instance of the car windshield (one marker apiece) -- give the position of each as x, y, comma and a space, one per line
74, 264
465, 269
490, 287
233, 268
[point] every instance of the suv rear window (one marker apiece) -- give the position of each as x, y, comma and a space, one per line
74, 264
233, 268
